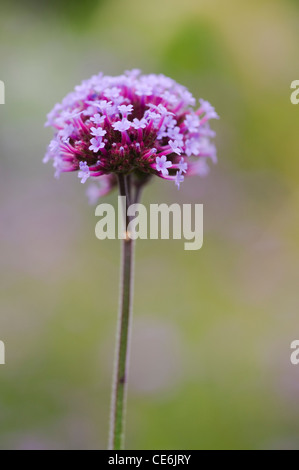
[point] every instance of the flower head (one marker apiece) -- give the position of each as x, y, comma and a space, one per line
131, 124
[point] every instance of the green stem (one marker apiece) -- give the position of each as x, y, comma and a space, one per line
120, 380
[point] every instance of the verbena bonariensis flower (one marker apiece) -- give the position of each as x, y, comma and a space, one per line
130, 124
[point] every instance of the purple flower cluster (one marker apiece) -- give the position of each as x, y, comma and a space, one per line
141, 124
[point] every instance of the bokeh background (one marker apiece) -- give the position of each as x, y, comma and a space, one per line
212, 329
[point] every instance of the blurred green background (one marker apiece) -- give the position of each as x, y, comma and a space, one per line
212, 329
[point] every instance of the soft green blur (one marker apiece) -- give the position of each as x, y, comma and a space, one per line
210, 356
